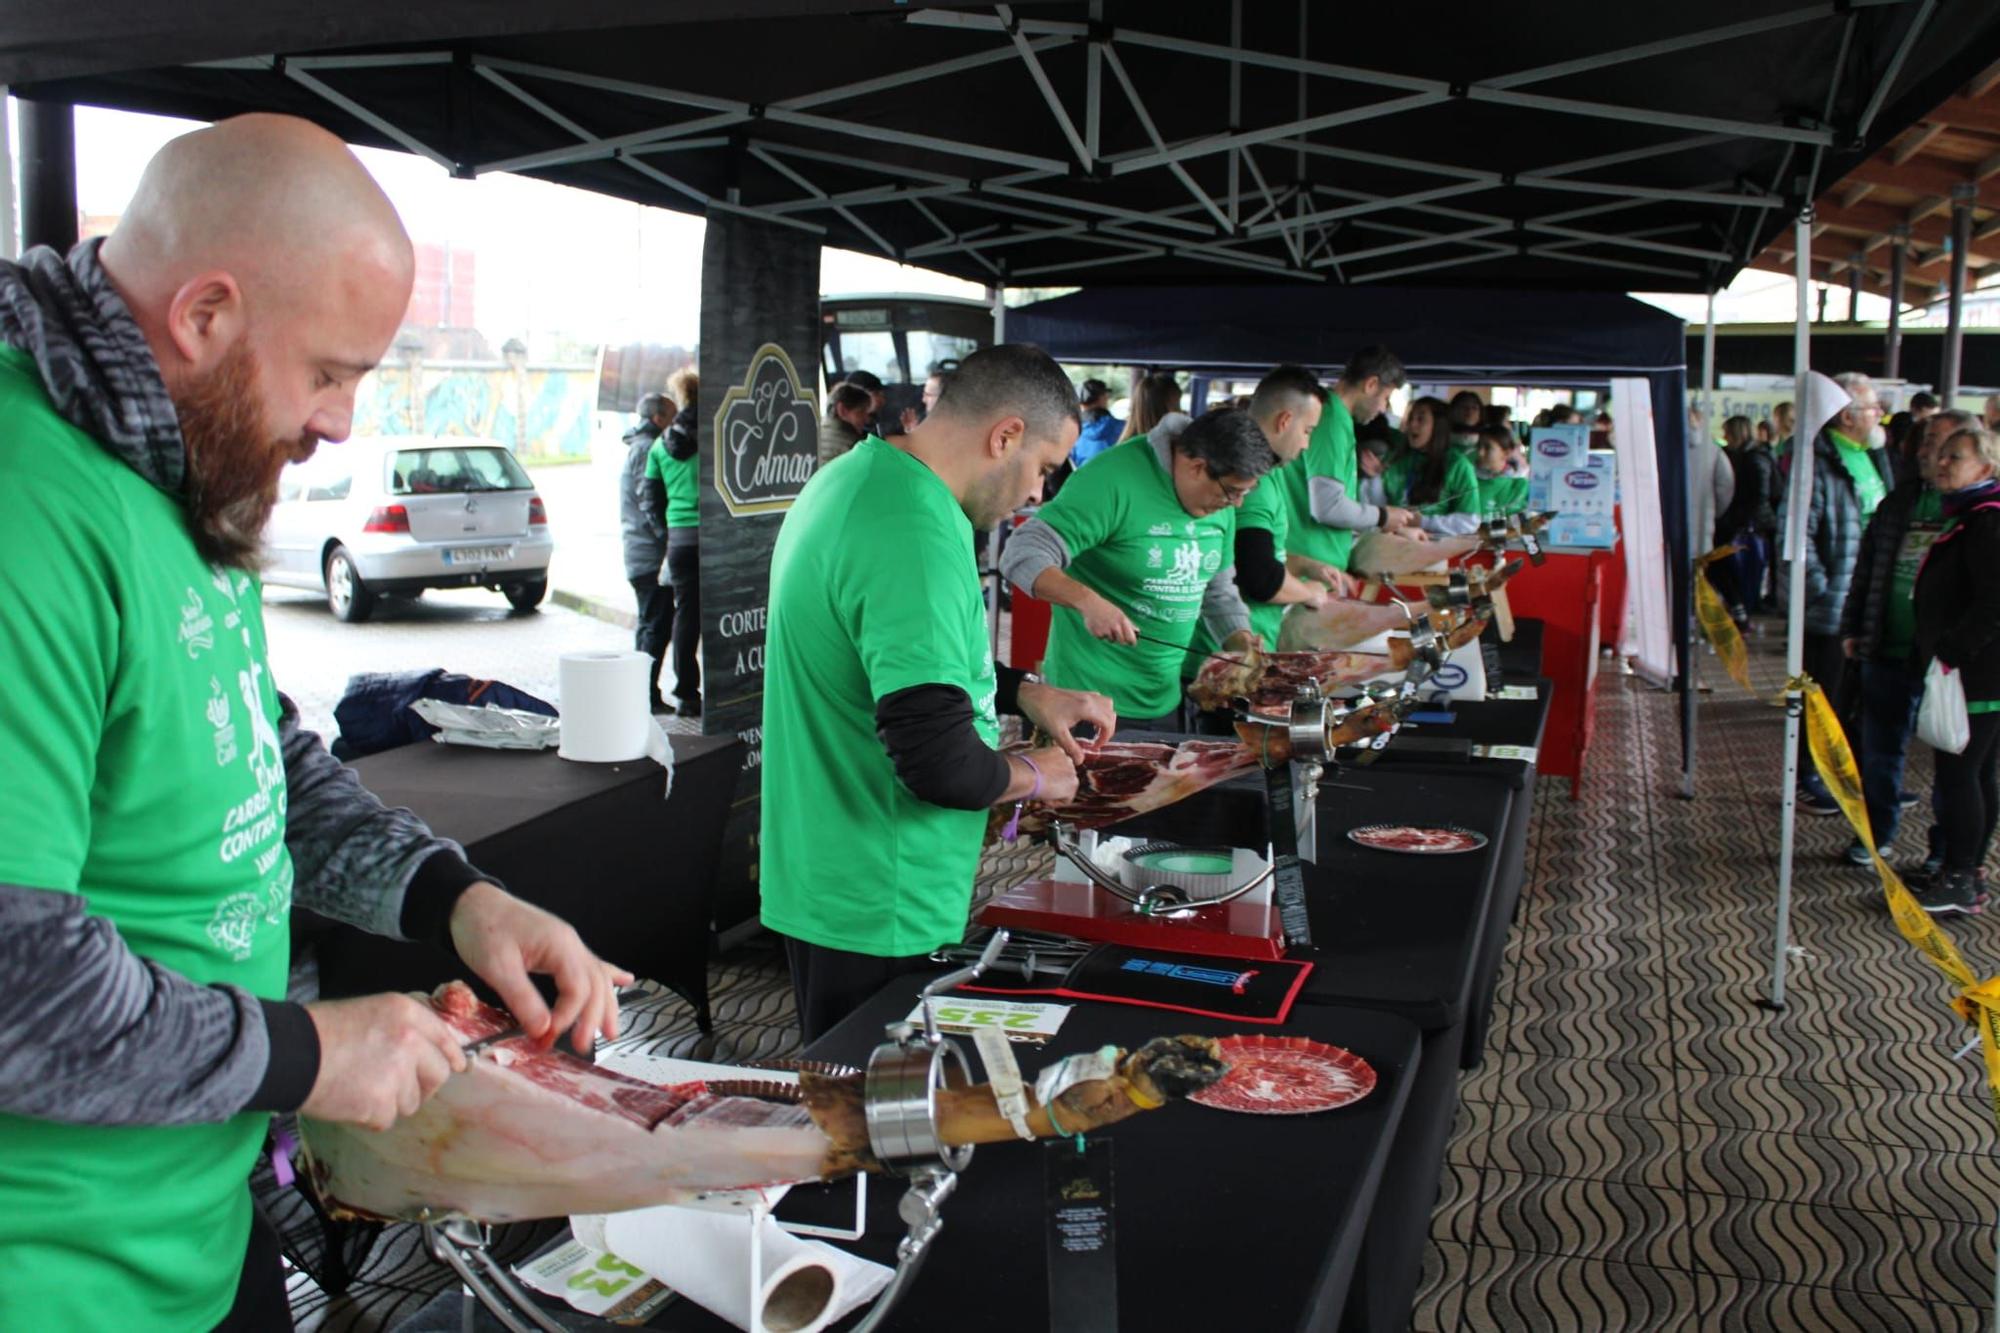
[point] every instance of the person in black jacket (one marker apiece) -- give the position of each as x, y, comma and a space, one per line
1878, 630
1748, 520
643, 528
1958, 624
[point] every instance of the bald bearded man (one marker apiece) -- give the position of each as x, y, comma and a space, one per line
163, 807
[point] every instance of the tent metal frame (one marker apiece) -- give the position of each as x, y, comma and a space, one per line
1235, 220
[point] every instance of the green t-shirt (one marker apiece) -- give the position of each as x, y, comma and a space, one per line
1459, 493
1263, 508
1329, 453
681, 479
1899, 620
1868, 486
873, 590
1502, 496
1130, 540
143, 773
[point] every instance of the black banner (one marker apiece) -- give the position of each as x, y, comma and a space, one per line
759, 336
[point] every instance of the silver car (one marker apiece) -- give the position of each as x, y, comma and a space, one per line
402, 514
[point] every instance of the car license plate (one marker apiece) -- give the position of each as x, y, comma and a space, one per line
477, 555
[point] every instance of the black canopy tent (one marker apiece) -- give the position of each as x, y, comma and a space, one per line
1461, 335
1565, 145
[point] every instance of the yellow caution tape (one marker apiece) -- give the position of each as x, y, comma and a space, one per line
1977, 1001
1716, 623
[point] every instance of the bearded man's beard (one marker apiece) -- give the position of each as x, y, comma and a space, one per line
232, 463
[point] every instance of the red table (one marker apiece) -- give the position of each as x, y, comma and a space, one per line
1570, 594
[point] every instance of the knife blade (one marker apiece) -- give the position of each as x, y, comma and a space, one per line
1191, 650
478, 1044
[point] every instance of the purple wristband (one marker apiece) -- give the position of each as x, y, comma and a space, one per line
1013, 830
1036, 790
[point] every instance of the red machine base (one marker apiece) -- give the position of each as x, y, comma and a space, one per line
1236, 929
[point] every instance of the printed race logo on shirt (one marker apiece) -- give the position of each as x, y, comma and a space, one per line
197, 625
253, 828
1187, 562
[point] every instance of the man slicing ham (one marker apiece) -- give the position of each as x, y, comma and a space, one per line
880, 693
163, 808
1134, 551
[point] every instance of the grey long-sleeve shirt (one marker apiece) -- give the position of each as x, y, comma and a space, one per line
1333, 506
92, 1033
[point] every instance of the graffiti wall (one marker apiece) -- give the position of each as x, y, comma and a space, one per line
541, 412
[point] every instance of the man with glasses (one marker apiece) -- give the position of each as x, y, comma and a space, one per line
1851, 475
1137, 548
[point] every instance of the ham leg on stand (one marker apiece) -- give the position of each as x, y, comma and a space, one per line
529, 1133
1121, 779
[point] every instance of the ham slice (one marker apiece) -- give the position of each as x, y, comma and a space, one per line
527, 1133
1279, 676
1121, 779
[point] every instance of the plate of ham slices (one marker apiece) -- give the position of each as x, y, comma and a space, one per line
1286, 1076
1440, 840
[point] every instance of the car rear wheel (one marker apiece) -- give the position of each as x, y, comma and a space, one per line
526, 596
346, 595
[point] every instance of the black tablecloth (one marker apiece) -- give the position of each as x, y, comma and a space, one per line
592, 842
1395, 931
1223, 1220
1417, 936
1494, 722
1385, 1283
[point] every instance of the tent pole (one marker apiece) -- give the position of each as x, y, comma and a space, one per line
10, 243
1796, 504
1892, 347
48, 175
1962, 197
1698, 542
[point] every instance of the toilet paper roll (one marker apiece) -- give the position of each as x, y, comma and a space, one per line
801, 1286
606, 716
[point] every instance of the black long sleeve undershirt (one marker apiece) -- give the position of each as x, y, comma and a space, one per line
681, 440
1260, 575
937, 753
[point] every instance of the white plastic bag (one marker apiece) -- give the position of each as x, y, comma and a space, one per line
1942, 723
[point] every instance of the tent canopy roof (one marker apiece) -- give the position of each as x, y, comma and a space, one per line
1108, 141
1440, 332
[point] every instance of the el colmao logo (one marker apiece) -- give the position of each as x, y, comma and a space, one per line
766, 437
